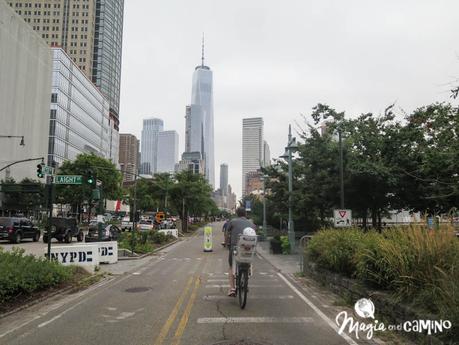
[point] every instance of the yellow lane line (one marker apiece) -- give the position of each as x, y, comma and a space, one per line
186, 314
165, 330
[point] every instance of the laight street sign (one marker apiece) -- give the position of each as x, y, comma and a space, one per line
68, 179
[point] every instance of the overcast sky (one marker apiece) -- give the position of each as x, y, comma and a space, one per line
277, 59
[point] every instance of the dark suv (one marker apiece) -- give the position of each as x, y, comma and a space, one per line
63, 229
15, 229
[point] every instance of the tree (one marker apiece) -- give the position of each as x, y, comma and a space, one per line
25, 197
103, 169
191, 195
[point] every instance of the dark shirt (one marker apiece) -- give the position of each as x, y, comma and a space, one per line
236, 226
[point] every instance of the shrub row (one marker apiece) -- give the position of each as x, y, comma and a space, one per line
22, 274
145, 241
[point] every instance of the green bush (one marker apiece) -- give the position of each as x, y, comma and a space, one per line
22, 274
285, 244
145, 241
416, 265
336, 249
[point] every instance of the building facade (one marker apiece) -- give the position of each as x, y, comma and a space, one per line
128, 157
254, 183
168, 151
79, 117
149, 144
91, 33
252, 147
106, 59
69, 24
191, 161
25, 94
224, 179
200, 120
266, 154
231, 201
194, 129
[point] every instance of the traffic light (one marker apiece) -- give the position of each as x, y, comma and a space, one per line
40, 171
90, 179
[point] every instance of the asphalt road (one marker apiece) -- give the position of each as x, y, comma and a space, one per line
178, 297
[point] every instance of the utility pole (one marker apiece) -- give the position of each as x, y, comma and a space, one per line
341, 168
265, 230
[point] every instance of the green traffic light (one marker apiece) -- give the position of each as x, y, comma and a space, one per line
40, 171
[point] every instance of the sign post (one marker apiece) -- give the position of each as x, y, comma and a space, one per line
343, 218
68, 179
208, 239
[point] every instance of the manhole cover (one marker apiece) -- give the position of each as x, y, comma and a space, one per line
137, 289
239, 342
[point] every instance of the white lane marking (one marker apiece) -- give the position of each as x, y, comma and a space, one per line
257, 280
20, 326
125, 315
217, 297
136, 273
250, 286
57, 305
255, 320
111, 308
324, 317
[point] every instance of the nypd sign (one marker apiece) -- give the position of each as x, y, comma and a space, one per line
80, 255
108, 252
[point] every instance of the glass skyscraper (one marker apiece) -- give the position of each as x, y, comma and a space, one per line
108, 39
200, 119
149, 144
79, 116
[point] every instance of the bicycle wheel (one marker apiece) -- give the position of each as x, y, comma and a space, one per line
243, 287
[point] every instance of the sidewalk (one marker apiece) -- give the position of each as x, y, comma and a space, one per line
285, 263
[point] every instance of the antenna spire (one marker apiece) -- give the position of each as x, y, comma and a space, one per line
202, 56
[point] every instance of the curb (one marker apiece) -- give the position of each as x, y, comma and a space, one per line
41, 299
148, 254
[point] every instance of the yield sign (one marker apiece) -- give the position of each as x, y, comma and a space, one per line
342, 218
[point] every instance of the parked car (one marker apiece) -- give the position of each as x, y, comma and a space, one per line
126, 224
109, 233
64, 229
14, 229
146, 225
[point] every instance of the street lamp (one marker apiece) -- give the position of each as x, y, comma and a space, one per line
15, 136
291, 147
265, 230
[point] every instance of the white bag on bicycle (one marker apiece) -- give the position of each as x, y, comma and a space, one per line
245, 249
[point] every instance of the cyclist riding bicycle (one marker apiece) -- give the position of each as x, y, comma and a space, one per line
235, 227
225, 233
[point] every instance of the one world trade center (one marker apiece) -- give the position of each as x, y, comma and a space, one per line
200, 136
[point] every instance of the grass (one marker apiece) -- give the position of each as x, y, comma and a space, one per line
416, 265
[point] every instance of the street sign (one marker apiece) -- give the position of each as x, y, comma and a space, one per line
248, 205
343, 218
47, 170
68, 179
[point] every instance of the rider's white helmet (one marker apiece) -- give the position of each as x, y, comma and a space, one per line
249, 232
